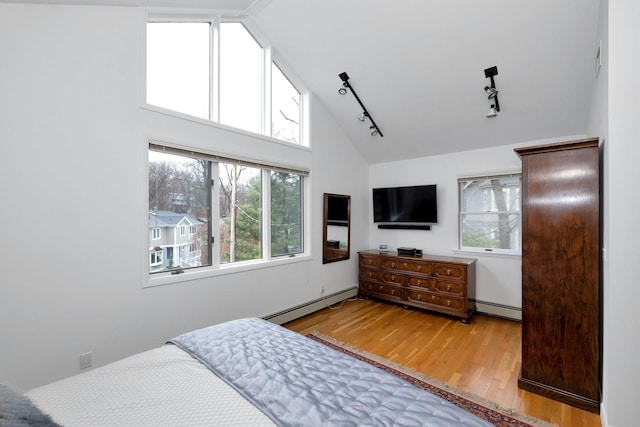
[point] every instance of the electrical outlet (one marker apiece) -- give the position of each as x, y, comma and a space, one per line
85, 360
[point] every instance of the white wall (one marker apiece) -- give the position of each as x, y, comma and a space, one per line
74, 196
621, 290
499, 280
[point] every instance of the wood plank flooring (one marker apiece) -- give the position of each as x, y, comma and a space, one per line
483, 357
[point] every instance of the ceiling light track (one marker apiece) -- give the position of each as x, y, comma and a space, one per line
492, 92
374, 129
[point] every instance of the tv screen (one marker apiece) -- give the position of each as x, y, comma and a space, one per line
338, 211
416, 204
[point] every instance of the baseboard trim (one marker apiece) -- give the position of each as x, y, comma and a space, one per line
301, 310
499, 310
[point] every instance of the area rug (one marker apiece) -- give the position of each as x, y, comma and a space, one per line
482, 408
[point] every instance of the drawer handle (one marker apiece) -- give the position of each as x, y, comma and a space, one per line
448, 287
381, 287
393, 278
370, 275
405, 264
419, 282
448, 272
449, 303
393, 291
433, 297
419, 297
393, 265
370, 261
369, 287
419, 268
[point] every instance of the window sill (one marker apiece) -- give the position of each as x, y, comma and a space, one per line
482, 252
211, 123
161, 279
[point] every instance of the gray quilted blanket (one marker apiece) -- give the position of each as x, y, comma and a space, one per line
299, 382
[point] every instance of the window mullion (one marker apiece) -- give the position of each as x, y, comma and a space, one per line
214, 69
266, 90
266, 214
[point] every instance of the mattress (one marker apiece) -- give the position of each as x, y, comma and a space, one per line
161, 387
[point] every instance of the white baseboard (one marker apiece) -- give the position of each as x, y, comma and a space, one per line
499, 310
294, 313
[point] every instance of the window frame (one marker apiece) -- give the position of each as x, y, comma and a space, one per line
269, 60
216, 268
487, 250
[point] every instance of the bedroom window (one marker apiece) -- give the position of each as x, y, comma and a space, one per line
489, 218
218, 71
251, 212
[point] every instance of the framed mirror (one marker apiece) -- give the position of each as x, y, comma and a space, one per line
336, 233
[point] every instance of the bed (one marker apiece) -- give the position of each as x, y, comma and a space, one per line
246, 372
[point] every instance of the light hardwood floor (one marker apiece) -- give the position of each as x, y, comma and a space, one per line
483, 357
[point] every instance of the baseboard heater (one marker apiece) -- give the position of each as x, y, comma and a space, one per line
301, 310
499, 310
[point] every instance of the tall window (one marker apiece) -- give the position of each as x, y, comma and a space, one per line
490, 213
286, 213
240, 213
285, 107
180, 200
178, 67
223, 81
179, 197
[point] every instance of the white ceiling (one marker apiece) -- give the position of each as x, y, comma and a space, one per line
418, 65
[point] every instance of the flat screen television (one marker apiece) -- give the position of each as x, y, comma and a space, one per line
415, 204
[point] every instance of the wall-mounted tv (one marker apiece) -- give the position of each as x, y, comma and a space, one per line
415, 204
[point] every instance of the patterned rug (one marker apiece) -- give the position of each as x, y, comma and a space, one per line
476, 405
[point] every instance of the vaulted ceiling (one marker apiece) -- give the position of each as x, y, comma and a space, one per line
418, 66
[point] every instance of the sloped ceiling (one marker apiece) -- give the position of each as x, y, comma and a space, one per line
418, 65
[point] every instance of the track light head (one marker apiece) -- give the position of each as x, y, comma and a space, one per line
342, 91
492, 92
374, 130
362, 116
492, 111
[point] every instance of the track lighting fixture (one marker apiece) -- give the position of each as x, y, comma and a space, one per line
492, 92
365, 114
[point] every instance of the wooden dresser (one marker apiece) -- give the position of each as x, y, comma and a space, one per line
561, 290
443, 284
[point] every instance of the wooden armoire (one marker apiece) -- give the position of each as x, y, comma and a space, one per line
561, 263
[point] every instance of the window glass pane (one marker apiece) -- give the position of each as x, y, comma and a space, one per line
178, 67
240, 213
286, 214
285, 108
178, 198
490, 212
240, 78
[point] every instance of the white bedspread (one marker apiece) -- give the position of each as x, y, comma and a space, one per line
161, 387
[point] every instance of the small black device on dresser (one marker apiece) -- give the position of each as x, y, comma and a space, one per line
408, 251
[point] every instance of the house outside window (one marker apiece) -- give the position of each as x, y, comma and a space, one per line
233, 81
155, 233
489, 213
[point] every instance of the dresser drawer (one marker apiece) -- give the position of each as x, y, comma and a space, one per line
393, 278
421, 282
367, 274
450, 270
409, 266
450, 287
384, 291
456, 304
370, 261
